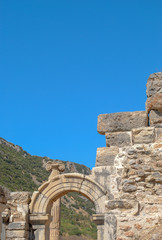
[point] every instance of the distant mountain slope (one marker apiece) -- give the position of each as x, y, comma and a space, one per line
20, 171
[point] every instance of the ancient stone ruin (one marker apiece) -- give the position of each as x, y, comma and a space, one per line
125, 184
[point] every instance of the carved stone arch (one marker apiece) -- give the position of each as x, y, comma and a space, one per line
57, 187
61, 185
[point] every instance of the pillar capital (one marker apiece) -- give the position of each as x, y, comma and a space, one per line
55, 168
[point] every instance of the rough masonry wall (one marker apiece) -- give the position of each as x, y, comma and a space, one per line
16, 217
3, 200
130, 168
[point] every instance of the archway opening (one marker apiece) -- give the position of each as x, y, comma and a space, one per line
76, 218
44, 207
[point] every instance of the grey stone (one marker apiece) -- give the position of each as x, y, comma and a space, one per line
128, 181
147, 168
156, 175
141, 173
136, 166
143, 135
155, 118
113, 204
131, 162
154, 84
119, 139
106, 156
132, 151
129, 188
121, 122
16, 233
16, 226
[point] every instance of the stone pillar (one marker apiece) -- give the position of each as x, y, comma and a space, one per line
99, 220
55, 222
40, 224
110, 227
54, 226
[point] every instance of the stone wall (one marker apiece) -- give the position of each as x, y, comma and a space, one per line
3, 200
16, 217
130, 168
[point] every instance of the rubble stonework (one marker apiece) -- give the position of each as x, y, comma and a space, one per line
125, 184
134, 170
16, 217
3, 201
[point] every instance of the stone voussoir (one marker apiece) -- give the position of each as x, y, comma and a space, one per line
121, 122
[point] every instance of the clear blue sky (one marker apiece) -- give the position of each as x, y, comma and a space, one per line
64, 62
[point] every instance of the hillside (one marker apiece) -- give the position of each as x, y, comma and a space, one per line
20, 171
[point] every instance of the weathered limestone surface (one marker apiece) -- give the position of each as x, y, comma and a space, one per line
15, 217
158, 134
154, 92
121, 122
143, 135
106, 156
119, 139
155, 118
154, 103
154, 84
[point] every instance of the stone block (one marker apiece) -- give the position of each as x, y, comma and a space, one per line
121, 122
154, 103
114, 204
155, 118
143, 135
110, 225
17, 226
106, 156
129, 188
21, 197
158, 134
154, 84
16, 234
119, 139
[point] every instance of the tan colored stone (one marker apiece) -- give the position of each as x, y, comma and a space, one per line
129, 234
155, 118
21, 197
125, 227
154, 84
143, 135
121, 122
158, 134
106, 156
138, 226
154, 103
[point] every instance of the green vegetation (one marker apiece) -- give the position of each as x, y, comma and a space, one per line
20, 171
76, 223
